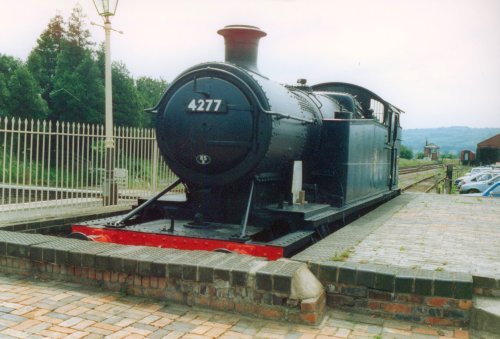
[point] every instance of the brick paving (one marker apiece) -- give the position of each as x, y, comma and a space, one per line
53, 309
439, 232
421, 231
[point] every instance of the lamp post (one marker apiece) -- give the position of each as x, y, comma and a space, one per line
107, 8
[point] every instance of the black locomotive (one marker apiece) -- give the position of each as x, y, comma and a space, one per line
267, 168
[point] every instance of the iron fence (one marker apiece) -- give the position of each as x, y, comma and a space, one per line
63, 163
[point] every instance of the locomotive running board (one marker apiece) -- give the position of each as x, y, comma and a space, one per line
185, 236
315, 218
136, 238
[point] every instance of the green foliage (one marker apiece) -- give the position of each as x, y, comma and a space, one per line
19, 91
24, 99
42, 60
342, 256
77, 34
4, 95
405, 152
125, 103
448, 156
8, 65
149, 92
79, 91
415, 162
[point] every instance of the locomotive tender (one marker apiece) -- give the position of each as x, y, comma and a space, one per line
267, 168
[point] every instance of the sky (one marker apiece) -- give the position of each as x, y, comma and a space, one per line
438, 60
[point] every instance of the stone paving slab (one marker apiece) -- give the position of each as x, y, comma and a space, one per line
47, 214
38, 309
419, 231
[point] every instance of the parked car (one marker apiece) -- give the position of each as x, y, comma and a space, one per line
482, 176
474, 171
493, 190
478, 187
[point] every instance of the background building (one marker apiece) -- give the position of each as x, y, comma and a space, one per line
488, 151
431, 151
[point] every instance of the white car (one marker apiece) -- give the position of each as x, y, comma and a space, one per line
478, 177
474, 171
478, 187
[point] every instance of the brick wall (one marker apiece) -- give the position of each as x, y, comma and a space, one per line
422, 296
281, 290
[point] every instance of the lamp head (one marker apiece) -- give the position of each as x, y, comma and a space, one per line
106, 8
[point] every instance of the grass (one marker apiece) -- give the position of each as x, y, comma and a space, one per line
415, 162
25, 171
13, 169
342, 256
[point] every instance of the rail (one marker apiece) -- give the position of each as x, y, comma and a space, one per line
415, 178
421, 168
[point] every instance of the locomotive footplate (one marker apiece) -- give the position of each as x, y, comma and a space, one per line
185, 235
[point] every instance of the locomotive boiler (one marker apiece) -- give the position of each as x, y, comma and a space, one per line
267, 168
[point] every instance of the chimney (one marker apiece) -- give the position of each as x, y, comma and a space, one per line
242, 45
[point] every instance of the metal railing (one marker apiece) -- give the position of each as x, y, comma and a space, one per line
44, 163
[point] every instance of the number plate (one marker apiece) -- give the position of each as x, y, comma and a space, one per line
206, 105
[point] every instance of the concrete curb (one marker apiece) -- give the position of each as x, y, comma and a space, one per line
485, 316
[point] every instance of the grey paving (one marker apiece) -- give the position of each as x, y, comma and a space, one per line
421, 231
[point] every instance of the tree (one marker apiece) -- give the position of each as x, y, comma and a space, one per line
130, 97
125, 104
149, 92
78, 90
77, 93
42, 60
8, 65
25, 99
19, 91
405, 152
77, 34
4, 95
63, 66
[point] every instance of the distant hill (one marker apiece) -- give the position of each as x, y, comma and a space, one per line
449, 139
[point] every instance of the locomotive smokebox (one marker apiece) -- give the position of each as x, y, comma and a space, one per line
242, 45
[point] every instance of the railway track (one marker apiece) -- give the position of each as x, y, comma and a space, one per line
421, 168
425, 184
420, 178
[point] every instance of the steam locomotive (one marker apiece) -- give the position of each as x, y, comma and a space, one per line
267, 168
